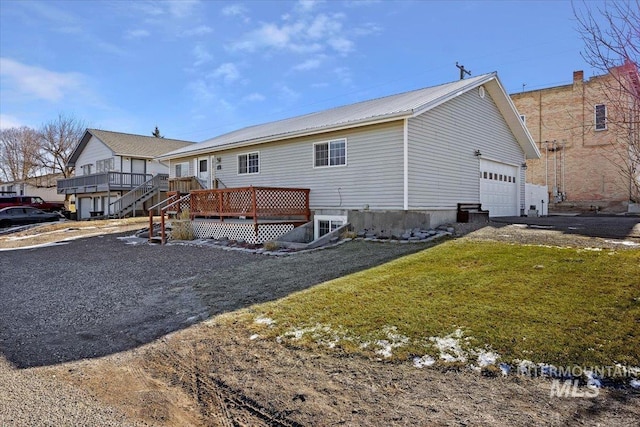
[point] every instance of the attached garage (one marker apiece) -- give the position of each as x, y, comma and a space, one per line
499, 188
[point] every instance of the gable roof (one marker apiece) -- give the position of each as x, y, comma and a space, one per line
130, 145
388, 108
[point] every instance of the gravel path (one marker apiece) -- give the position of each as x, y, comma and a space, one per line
30, 399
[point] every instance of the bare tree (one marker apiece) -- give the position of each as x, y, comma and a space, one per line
19, 153
59, 137
611, 35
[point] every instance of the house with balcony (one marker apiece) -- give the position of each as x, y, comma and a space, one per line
117, 174
389, 164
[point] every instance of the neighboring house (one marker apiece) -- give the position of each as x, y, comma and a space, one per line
583, 131
117, 173
393, 163
43, 186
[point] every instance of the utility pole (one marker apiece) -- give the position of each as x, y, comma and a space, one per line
463, 71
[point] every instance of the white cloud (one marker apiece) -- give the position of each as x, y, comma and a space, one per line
228, 72
309, 64
341, 45
182, 8
307, 5
254, 97
201, 90
344, 75
39, 82
301, 34
8, 121
201, 54
136, 34
237, 10
198, 31
286, 93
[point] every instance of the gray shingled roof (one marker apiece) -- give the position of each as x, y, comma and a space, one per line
361, 113
126, 144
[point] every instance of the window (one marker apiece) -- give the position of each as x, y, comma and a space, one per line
248, 163
325, 224
203, 165
600, 115
331, 153
104, 165
181, 169
86, 169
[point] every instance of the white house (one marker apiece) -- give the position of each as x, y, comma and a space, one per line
117, 173
43, 186
404, 160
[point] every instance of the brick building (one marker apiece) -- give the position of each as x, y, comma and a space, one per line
583, 131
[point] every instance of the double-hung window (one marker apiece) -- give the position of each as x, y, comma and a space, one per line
248, 163
600, 116
330, 153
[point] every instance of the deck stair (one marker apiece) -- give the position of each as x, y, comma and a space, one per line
130, 202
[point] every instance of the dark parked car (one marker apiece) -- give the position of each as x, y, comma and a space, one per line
25, 215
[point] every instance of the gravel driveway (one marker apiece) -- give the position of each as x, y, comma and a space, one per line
97, 296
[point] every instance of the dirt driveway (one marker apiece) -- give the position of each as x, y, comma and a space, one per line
101, 297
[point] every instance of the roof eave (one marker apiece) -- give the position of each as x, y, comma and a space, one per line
510, 113
449, 96
281, 137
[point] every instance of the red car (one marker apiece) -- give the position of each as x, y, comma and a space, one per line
33, 201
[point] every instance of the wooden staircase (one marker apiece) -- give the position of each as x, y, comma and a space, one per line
135, 199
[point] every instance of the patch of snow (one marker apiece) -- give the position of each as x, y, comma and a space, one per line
486, 358
254, 337
449, 347
635, 383
505, 369
264, 321
394, 340
623, 242
592, 380
421, 362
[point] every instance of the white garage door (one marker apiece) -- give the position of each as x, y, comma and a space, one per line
498, 188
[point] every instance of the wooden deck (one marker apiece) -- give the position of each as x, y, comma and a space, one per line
230, 212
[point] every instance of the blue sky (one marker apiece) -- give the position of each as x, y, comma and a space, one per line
198, 68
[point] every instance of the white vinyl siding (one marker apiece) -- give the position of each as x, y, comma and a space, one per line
443, 169
373, 175
93, 152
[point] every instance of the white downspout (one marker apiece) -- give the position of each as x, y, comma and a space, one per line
406, 164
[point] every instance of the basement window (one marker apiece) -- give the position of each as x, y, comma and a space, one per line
325, 224
600, 117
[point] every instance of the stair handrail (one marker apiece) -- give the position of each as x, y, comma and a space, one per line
131, 197
163, 211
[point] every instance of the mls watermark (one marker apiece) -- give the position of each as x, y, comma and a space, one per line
577, 381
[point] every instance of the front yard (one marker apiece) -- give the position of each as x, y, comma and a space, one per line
474, 302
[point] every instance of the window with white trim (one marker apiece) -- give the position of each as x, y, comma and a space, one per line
248, 163
600, 116
181, 169
105, 165
325, 224
86, 169
330, 153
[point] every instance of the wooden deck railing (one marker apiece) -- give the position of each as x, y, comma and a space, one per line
251, 202
257, 203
